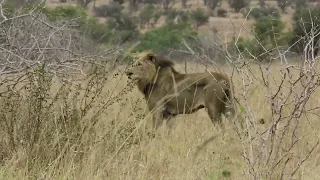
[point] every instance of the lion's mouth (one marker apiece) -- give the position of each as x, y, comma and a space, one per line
129, 74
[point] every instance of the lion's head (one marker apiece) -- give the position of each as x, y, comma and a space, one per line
144, 67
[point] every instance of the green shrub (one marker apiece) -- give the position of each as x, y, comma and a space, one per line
167, 36
268, 29
305, 21
65, 12
97, 31
111, 10
268, 32
199, 16
125, 28
8, 9
147, 13
237, 5
257, 13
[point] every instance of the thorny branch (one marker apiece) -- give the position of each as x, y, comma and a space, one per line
29, 41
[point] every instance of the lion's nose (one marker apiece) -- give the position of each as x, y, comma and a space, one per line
129, 73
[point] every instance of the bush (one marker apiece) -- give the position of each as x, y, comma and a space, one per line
125, 26
112, 9
97, 31
268, 28
237, 5
89, 26
167, 36
269, 35
305, 21
65, 12
222, 12
283, 4
199, 16
146, 14
301, 3
257, 13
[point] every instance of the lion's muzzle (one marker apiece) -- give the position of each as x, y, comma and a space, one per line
129, 74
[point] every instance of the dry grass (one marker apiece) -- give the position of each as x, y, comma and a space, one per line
115, 149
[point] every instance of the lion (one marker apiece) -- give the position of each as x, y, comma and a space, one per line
169, 92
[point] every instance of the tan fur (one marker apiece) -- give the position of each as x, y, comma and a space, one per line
169, 93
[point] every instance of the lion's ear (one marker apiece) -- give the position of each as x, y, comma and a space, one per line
151, 57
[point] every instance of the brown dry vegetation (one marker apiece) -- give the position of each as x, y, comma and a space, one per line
96, 128
117, 150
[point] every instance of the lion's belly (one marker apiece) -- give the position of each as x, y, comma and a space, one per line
186, 102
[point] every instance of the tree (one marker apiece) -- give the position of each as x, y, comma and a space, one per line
184, 3
133, 5
305, 27
262, 3
84, 3
237, 5
212, 4
301, 3
282, 4
199, 16
146, 14
167, 4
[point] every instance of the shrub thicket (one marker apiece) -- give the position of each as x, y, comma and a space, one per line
168, 36
222, 12
237, 5
112, 9
199, 16
257, 13
268, 36
305, 28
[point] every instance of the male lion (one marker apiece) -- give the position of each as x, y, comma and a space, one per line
170, 93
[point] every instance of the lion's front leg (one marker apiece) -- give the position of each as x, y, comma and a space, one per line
157, 120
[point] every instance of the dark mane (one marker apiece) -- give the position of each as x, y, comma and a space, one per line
163, 63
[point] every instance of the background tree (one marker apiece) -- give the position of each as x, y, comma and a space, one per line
199, 16
282, 4
262, 3
212, 4
184, 3
301, 3
133, 5
305, 28
167, 4
237, 5
84, 3
146, 15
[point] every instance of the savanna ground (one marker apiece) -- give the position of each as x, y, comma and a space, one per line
97, 127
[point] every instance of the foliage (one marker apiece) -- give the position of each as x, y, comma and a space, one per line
257, 13
119, 1
199, 16
89, 26
147, 13
282, 4
268, 32
65, 12
268, 29
306, 22
125, 28
97, 31
84, 3
301, 3
170, 35
112, 9
222, 12
262, 3
212, 4
237, 5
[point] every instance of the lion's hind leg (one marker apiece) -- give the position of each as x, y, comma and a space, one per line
215, 106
